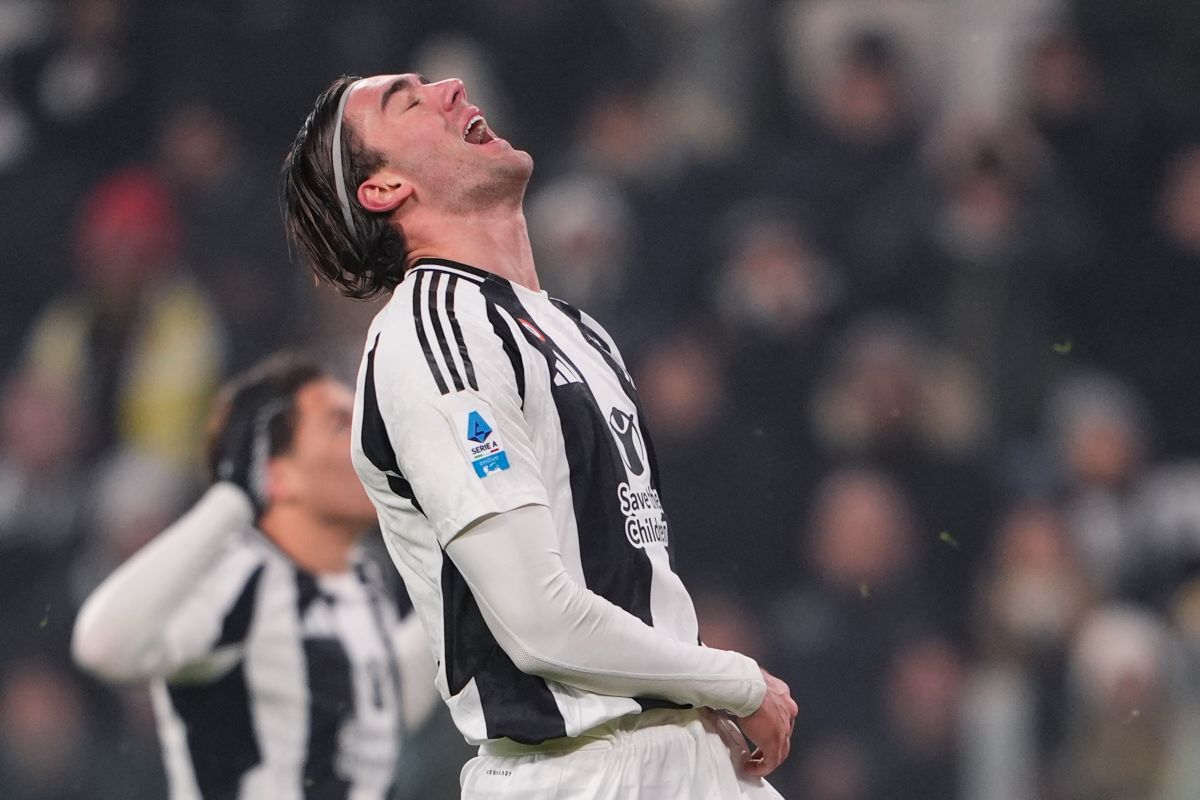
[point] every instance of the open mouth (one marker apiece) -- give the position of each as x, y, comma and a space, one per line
477, 131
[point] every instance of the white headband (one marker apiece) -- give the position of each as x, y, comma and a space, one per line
339, 180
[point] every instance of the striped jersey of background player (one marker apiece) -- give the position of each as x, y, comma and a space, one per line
278, 662
502, 441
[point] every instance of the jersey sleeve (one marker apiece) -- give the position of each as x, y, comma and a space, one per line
552, 626
450, 402
180, 607
207, 634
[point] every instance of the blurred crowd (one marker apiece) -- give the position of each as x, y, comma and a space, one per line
909, 287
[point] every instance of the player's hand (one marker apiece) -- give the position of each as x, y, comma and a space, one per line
770, 728
242, 452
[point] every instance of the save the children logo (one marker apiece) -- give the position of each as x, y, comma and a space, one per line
645, 520
487, 454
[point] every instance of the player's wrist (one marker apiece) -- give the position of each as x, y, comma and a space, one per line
753, 688
753, 706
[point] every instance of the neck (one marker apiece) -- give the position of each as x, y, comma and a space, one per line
315, 545
496, 240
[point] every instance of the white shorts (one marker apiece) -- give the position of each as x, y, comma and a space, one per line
662, 754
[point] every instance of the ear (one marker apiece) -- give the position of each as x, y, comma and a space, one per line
384, 191
283, 483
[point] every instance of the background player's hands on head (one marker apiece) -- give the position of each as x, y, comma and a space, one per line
242, 450
770, 728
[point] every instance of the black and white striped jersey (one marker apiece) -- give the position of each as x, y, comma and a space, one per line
478, 396
285, 684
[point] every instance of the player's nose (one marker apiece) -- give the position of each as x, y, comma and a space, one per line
452, 93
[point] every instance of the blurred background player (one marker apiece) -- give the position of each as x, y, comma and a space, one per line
280, 665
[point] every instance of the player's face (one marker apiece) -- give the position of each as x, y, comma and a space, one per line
436, 141
322, 476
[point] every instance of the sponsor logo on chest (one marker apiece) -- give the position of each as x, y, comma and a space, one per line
645, 521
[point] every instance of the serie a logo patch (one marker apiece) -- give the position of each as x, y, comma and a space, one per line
483, 446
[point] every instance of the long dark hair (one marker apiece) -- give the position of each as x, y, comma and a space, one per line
361, 265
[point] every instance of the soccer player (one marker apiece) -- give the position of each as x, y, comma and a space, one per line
501, 439
279, 665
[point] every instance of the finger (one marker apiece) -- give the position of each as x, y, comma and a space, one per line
781, 750
768, 758
756, 764
763, 768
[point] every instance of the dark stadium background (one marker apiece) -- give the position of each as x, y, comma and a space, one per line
911, 289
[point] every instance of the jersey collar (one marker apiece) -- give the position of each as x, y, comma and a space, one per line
456, 268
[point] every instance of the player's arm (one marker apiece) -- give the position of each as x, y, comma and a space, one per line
552, 626
139, 622
770, 726
469, 455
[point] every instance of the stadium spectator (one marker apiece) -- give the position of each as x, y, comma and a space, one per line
1155, 278
777, 299
43, 507
1084, 129
49, 744
1098, 433
134, 339
86, 85
1123, 737
843, 139
919, 748
1165, 513
225, 200
1031, 599
897, 400
983, 246
686, 390
860, 597
587, 233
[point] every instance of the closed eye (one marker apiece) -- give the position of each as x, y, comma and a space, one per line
403, 83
